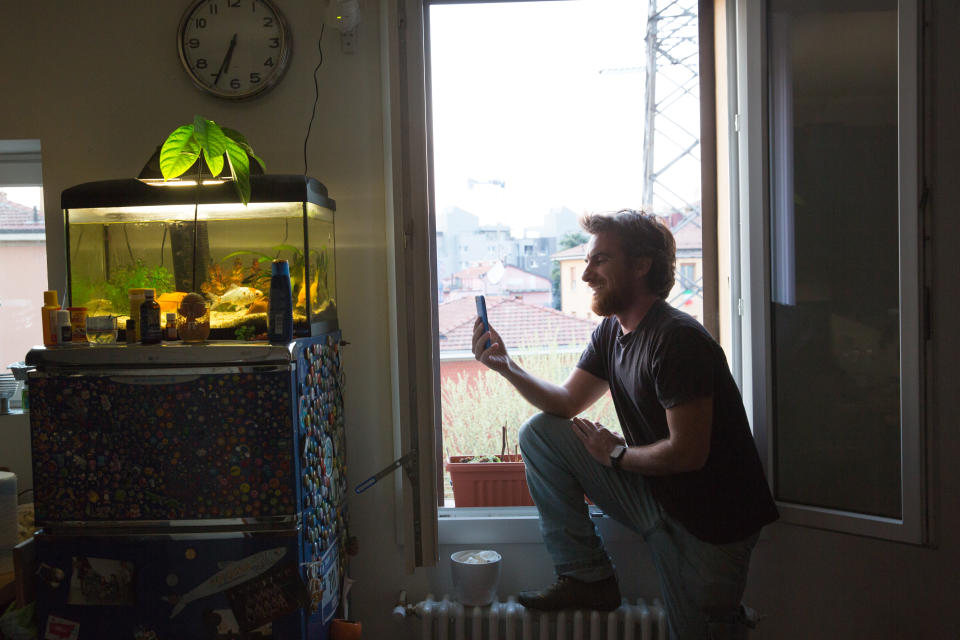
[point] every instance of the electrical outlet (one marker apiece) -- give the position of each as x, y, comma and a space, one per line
348, 41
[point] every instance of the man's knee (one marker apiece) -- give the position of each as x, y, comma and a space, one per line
534, 429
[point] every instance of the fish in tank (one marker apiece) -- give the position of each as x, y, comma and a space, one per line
131, 234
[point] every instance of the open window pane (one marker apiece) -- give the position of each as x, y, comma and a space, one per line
835, 255
598, 112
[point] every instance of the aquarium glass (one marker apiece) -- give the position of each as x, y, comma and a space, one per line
224, 255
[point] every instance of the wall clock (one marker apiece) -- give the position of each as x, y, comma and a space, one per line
234, 49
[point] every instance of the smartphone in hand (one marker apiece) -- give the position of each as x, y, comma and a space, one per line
482, 312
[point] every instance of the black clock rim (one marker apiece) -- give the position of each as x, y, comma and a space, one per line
282, 64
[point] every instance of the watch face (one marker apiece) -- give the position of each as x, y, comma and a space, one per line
617, 454
234, 49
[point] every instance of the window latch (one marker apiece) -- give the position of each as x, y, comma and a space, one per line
408, 462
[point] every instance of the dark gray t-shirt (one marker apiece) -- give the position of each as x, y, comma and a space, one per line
668, 360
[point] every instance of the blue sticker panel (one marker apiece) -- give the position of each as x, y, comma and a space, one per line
173, 587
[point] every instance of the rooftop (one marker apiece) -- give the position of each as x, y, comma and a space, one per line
521, 325
19, 218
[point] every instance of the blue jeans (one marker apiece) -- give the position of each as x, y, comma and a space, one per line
701, 583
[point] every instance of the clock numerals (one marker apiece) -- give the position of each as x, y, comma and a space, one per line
220, 49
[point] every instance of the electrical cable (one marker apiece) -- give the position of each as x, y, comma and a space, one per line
316, 99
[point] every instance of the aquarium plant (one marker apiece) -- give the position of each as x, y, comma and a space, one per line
255, 276
219, 146
112, 295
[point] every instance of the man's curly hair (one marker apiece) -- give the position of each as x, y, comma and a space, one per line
641, 235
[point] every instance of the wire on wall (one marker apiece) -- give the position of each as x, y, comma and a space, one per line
316, 99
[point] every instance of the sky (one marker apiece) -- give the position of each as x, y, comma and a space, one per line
547, 98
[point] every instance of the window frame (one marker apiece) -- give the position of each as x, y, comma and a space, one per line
751, 131
745, 200
410, 223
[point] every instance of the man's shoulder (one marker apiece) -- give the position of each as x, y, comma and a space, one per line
672, 324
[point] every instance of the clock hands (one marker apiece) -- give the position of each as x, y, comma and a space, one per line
226, 60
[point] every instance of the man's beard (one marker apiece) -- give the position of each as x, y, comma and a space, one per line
608, 300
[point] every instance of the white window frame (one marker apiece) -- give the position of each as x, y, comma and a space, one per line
406, 166
421, 526
754, 209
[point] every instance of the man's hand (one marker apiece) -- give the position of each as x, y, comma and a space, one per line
495, 356
597, 439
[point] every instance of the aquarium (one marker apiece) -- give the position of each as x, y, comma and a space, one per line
179, 238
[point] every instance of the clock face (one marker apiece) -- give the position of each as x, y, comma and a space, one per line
234, 49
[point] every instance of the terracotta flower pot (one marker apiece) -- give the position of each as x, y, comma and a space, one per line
489, 484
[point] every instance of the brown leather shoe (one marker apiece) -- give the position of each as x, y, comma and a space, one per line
570, 593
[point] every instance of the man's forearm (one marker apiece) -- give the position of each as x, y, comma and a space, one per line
546, 396
660, 458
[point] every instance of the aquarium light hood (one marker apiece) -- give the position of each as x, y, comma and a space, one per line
134, 192
179, 182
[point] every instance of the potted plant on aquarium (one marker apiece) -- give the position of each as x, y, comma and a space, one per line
489, 480
220, 147
203, 143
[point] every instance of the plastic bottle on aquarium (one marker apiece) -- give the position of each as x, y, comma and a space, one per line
51, 304
137, 296
64, 329
150, 330
280, 309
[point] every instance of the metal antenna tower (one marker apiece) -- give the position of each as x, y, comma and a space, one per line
671, 138
671, 141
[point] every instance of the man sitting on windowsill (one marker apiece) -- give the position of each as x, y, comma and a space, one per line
687, 476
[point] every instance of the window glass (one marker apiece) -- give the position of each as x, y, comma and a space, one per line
23, 273
600, 112
834, 254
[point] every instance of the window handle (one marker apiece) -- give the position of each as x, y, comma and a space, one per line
408, 462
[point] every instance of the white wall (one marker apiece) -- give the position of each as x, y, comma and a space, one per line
100, 84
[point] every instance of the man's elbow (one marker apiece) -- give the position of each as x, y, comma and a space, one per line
692, 460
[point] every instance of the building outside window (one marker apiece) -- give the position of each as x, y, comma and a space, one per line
23, 253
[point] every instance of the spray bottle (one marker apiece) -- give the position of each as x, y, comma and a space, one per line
280, 308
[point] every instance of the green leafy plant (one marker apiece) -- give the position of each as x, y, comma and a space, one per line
115, 289
245, 332
219, 147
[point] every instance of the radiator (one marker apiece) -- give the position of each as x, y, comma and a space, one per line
449, 620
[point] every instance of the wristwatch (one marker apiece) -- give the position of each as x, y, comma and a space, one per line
616, 455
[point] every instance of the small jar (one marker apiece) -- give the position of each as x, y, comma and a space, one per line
193, 318
170, 328
101, 329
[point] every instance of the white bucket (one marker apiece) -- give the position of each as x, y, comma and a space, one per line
476, 573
